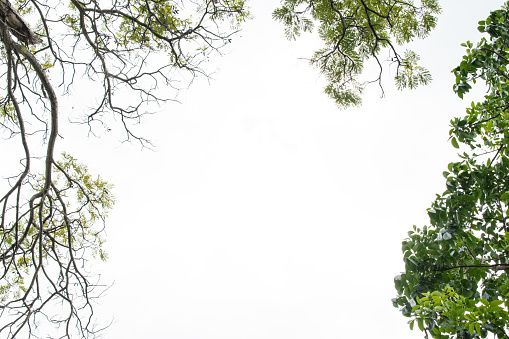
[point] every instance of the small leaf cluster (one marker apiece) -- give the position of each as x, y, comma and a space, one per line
410, 74
7, 111
158, 18
94, 198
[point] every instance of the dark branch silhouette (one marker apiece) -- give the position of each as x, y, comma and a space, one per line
17, 26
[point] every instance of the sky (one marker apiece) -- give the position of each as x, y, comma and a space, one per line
264, 211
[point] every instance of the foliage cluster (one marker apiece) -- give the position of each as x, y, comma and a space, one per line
456, 284
355, 31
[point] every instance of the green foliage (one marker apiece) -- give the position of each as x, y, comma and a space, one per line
354, 31
157, 18
157, 24
7, 111
455, 283
66, 227
446, 313
93, 195
411, 75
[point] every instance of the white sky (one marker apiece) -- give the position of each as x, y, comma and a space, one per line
266, 212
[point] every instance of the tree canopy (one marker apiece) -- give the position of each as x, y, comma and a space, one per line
455, 283
356, 31
52, 209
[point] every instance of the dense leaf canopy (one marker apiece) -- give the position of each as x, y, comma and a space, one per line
456, 283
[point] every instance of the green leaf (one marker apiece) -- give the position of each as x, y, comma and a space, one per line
478, 328
505, 161
420, 323
496, 302
454, 142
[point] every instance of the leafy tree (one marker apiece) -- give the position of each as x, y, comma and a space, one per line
456, 283
355, 31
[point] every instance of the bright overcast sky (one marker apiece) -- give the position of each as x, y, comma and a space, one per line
266, 212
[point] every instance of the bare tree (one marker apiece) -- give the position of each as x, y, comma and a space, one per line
52, 210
